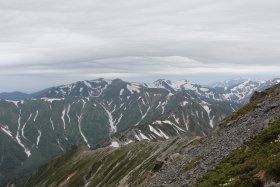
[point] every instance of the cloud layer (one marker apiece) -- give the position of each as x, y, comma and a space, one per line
57, 41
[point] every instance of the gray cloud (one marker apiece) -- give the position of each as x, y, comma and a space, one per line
59, 41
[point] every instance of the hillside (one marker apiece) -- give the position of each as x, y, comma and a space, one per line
242, 139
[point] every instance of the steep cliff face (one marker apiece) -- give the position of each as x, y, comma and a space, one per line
247, 134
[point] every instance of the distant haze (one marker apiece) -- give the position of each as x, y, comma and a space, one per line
50, 42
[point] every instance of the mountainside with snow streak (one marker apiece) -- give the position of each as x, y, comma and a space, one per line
105, 112
242, 151
243, 91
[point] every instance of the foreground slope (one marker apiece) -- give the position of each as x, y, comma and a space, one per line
131, 165
185, 160
256, 163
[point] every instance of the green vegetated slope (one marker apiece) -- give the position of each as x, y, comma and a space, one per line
33, 131
11, 154
256, 163
131, 165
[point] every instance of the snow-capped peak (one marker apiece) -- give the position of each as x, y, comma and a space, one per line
183, 84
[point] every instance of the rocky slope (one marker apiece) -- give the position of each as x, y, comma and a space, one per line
251, 120
176, 162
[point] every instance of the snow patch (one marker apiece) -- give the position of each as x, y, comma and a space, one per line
52, 99
36, 115
173, 125
133, 88
22, 130
79, 124
52, 123
143, 137
149, 108
184, 103
110, 118
6, 130
14, 102
176, 119
208, 110
67, 113
119, 119
186, 122
39, 137
182, 84
128, 142
87, 83
158, 132
62, 118
59, 145
115, 144
159, 104
26, 150
204, 89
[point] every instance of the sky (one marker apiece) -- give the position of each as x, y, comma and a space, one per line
52, 42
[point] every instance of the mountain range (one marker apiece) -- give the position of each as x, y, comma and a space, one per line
104, 112
243, 150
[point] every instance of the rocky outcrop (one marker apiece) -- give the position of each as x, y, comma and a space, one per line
270, 92
257, 96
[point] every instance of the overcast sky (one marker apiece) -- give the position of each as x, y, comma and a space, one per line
52, 42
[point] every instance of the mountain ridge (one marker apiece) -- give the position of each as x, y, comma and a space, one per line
117, 113
180, 161
226, 90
